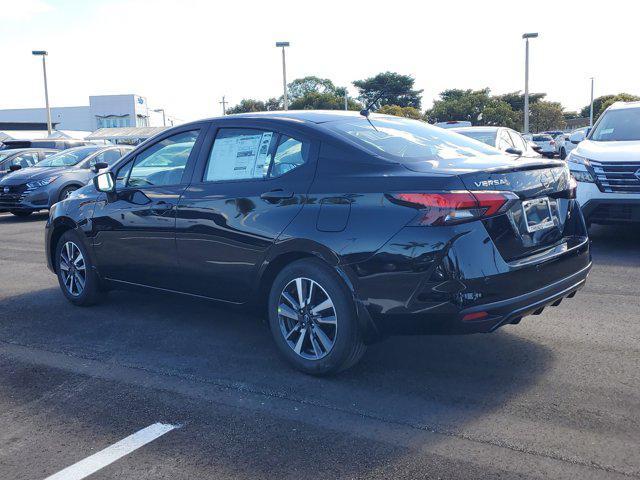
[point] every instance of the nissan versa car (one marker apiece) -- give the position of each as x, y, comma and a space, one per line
38, 187
345, 228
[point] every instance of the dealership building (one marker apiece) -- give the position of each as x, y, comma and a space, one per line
103, 111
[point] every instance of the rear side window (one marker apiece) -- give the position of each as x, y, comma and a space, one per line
244, 154
163, 163
25, 159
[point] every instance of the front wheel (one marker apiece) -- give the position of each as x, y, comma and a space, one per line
76, 276
66, 192
313, 319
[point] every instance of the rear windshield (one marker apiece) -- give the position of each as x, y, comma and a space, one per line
409, 140
485, 137
618, 126
542, 138
67, 158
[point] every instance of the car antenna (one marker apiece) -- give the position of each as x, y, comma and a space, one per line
365, 112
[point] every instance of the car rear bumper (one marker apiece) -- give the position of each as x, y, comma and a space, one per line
454, 281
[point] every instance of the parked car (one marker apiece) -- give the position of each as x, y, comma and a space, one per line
561, 148
502, 138
346, 229
546, 143
27, 190
529, 139
453, 124
48, 143
574, 139
21, 158
607, 166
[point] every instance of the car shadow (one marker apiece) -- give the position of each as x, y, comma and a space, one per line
615, 245
6, 218
430, 382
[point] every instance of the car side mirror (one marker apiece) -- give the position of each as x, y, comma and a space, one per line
99, 166
105, 182
15, 168
513, 151
577, 137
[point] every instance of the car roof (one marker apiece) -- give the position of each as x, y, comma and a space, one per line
476, 129
624, 105
300, 116
16, 150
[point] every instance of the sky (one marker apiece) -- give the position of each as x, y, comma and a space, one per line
185, 55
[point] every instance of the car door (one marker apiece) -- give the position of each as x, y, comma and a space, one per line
252, 181
134, 228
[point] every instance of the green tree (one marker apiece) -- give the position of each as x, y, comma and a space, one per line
310, 84
248, 105
516, 99
322, 101
393, 88
546, 116
398, 111
600, 104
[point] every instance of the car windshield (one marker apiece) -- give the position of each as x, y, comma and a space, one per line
409, 140
617, 126
67, 158
482, 136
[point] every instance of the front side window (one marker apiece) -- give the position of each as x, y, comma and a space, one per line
618, 126
108, 156
163, 163
401, 139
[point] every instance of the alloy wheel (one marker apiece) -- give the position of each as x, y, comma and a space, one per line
307, 318
72, 269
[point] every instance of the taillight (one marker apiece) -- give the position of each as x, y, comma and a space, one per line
454, 207
552, 142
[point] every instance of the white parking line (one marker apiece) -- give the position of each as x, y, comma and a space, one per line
99, 460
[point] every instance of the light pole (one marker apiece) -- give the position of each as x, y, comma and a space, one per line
224, 105
527, 36
164, 120
591, 108
43, 54
284, 73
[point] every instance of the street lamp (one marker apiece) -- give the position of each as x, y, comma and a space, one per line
43, 54
164, 120
284, 73
527, 36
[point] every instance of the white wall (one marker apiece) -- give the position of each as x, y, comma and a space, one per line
67, 118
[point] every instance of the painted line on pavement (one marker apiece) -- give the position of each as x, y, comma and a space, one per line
101, 459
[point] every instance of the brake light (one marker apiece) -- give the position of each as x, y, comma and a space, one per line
552, 142
454, 207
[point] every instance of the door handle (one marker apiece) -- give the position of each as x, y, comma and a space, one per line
276, 195
161, 207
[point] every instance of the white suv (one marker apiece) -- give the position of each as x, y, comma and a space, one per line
607, 167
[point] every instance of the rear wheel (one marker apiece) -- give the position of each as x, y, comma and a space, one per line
76, 276
21, 213
66, 191
313, 319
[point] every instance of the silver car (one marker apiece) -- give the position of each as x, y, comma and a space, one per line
27, 190
502, 138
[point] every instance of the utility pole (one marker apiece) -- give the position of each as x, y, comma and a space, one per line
591, 108
284, 73
346, 100
527, 36
43, 54
224, 105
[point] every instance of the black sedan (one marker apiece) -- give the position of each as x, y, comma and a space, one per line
345, 229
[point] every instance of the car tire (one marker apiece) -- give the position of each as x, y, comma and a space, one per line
78, 279
316, 342
66, 191
21, 213
563, 154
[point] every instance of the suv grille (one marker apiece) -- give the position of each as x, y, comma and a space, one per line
617, 177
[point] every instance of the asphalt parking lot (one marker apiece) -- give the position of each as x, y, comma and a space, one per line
557, 396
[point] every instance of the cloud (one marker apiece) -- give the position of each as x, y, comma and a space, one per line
23, 9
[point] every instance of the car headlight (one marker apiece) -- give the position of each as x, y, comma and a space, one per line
573, 158
582, 176
40, 183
